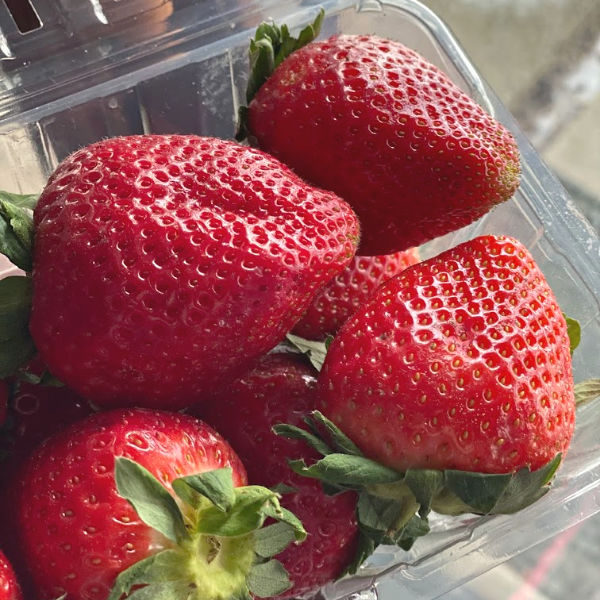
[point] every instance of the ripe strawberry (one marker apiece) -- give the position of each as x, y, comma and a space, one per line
153, 253
383, 128
9, 587
461, 362
449, 390
281, 388
81, 526
337, 301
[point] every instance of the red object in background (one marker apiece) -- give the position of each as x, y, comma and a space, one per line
338, 300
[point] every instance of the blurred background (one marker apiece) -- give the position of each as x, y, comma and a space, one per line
542, 58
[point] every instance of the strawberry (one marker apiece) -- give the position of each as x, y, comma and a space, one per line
153, 253
95, 506
9, 587
454, 384
281, 388
341, 297
466, 365
376, 123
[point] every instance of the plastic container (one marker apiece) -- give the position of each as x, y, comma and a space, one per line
98, 68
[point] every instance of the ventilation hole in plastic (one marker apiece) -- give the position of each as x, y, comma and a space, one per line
24, 15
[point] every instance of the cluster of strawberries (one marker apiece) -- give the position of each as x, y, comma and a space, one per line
162, 434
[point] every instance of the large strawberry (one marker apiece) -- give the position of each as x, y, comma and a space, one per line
9, 587
98, 517
454, 383
341, 297
281, 389
469, 353
381, 126
165, 264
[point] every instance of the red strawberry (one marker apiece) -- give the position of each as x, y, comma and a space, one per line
341, 297
9, 587
154, 254
449, 390
382, 127
460, 362
75, 505
282, 389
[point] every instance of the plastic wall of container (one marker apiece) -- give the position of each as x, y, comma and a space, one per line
99, 68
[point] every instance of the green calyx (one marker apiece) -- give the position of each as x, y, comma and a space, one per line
16, 228
393, 506
16, 345
573, 331
313, 350
219, 546
16, 243
270, 46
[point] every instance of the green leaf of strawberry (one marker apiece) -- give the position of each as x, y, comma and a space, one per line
158, 568
270, 46
586, 391
573, 331
152, 502
250, 509
222, 512
16, 228
266, 579
393, 505
16, 345
314, 350
273, 539
215, 485
351, 471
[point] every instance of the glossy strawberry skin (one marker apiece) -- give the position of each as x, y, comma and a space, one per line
153, 254
466, 365
281, 389
77, 533
338, 300
9, 587
390, 133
